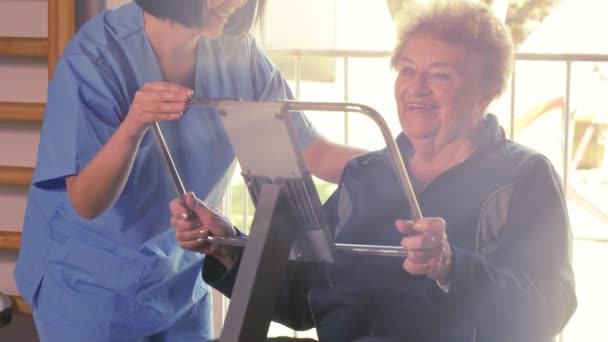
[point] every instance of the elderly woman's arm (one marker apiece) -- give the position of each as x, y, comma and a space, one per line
221, 263
524, 290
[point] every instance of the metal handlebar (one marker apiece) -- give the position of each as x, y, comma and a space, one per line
393, 151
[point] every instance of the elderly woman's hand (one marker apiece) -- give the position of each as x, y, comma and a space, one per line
428, 249
192, 230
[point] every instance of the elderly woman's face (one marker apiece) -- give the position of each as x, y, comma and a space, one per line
437, 96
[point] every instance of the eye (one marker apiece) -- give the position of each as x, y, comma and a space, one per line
442, 76
407, 71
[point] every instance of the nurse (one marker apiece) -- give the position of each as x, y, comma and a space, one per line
98, 260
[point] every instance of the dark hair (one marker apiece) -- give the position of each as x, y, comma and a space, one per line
188, 13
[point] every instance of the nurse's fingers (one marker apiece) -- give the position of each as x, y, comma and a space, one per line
169, 95
162, 108
166, 86
160, 101
153, 105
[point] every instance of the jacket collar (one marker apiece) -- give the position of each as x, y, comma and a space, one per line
489, 140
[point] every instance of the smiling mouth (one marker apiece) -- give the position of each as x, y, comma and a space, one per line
419, 107
223, 16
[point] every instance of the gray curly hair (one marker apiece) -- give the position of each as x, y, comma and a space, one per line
470, 24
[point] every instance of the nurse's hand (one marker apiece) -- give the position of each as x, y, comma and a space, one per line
156, 101
192, 230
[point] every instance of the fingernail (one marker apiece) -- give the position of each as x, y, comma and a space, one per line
191, 93
184, 216
202, 231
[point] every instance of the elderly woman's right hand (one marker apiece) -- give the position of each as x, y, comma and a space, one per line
191, 229
428, 249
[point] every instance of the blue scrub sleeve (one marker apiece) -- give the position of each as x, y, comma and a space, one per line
81, 114
269, 85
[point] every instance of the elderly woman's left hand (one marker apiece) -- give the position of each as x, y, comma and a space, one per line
428, 249
191, 230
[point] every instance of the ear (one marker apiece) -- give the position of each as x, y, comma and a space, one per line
486, 96
484, 102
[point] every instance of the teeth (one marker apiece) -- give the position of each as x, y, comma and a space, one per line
420, 106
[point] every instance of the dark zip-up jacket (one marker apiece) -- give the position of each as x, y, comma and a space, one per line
508, 227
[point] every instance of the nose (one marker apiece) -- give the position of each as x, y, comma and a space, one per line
421, 86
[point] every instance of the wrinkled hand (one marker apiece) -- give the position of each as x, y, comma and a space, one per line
192, 230
157, 101
427, 246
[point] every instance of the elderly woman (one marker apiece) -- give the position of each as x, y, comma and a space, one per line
490, 261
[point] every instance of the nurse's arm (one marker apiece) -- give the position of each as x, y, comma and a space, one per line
326, 159
99, 184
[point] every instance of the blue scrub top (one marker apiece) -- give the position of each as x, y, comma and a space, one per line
124, 270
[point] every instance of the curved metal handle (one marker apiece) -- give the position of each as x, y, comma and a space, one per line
392, 148
180, 189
